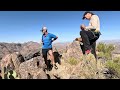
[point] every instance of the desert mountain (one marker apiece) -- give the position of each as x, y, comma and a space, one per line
26, 59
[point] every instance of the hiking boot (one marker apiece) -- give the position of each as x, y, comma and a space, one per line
88, 51
49, 68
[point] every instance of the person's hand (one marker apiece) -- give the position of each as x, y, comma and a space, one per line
82, 27
41, 43
76, 39
54, 39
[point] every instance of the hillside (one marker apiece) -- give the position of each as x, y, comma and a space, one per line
26, 59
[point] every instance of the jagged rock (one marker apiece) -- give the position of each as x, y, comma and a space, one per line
8, 48
25, 48
63, 71
86, 68
30, 64
30, 67
40, 75
33, 54
29, 47
17, 59
106, 73
6, 60
73, 50
12, 61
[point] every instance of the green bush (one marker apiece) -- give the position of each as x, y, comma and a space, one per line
101, 47
101, 54
105, 50
107, 56
72, 61
104, 55
114, 66
116, 60
109, 48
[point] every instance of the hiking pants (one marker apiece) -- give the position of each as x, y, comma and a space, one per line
89, 41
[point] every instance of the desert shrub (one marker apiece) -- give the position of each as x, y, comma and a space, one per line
105, 50
72, 61
114, 66
107, 56
101, 47
116, 60
101, 54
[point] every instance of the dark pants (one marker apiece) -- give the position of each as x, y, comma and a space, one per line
44, 53
89, 41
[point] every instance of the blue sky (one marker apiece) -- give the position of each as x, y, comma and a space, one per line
23, 26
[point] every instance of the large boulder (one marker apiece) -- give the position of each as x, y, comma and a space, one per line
8, 48
30, 70
17, 59
33, 54
29, 47
73, 50
14, 59
11, 61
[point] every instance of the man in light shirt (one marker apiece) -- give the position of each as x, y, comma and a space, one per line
91, 33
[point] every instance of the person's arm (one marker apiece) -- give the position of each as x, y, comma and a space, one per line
93, 23
54, 37
42, 40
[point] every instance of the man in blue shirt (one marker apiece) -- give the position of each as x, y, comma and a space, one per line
47, 39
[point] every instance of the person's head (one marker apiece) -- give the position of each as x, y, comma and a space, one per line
44, 30
87, 15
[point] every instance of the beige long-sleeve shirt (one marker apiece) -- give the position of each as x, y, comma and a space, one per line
94, 23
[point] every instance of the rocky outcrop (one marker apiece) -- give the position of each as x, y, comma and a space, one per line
13, 60
29, 64
29, 47
33, 54
30, 70
7, 48
85, 69
17, 59
24, 49
73, 50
